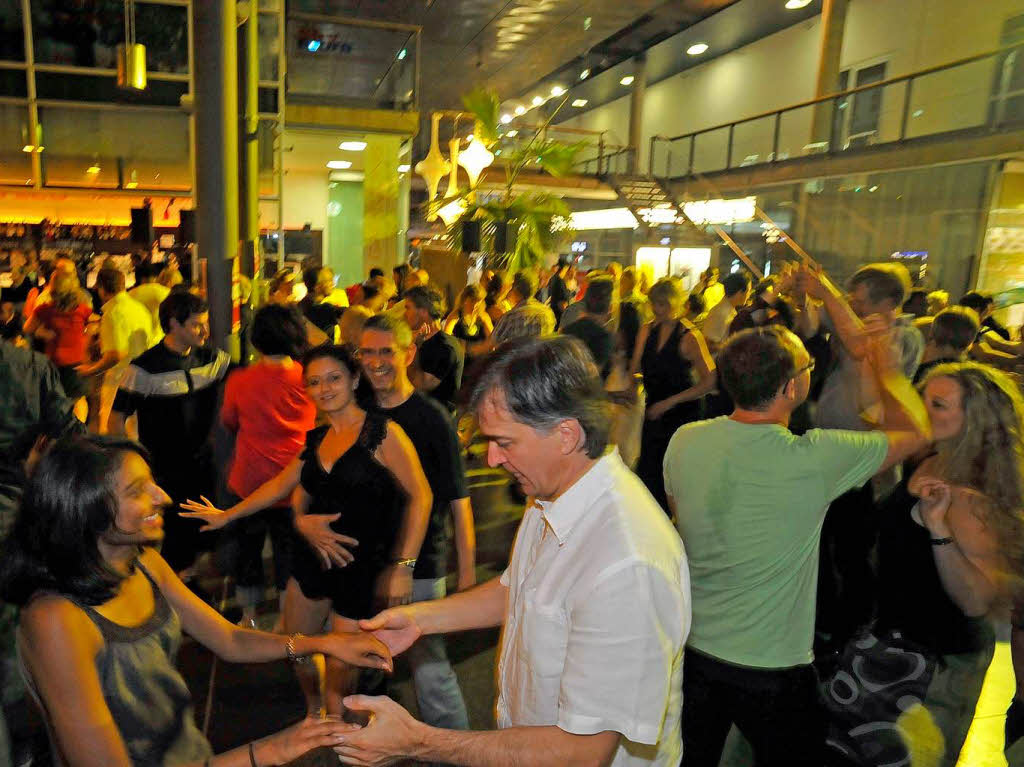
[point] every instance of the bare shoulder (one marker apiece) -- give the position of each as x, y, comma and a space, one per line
50, 620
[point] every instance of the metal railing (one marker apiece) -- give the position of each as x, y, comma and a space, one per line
971, 93
610, 159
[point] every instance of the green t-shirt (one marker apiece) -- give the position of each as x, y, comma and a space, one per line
750, 501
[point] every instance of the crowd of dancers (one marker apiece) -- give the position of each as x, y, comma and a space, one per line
842, 469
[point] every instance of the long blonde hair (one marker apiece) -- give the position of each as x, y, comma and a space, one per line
66, 291
988, 455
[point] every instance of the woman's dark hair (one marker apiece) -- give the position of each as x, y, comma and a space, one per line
179, 306
279, 330
70, 501
630, 321
341, 354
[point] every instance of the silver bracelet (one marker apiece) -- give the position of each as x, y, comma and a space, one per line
289, 649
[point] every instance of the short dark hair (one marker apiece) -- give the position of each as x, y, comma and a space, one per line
524, 282
110, 280
396, 326
179, 306
546, 380
376, 272
885, 282
754, 364
917, 294
598, 298
427, 298
279, 330
695, 303
735, 282
310, 277
956, 326
977, 301
70, 501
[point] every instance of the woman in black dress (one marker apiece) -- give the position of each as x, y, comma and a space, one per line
677, 370
470, 322
359, 483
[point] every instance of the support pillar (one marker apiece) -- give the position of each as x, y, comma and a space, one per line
833, 25
216, 101
636, 110
380, 202
248, 140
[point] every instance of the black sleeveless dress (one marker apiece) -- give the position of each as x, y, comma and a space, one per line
371, 503
469, 333
666, 372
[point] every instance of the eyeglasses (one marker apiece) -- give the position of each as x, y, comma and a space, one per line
332, 379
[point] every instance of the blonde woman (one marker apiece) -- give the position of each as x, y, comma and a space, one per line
951, 549
60, 324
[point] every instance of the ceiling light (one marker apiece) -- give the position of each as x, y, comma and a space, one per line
352, 146
512, 133
579, 103
313, 46
584, 74
506, 119
519, 110
794, 5
403, 168
93, 169
339, 165
558, 90
402, 54
627, 80
697, 49
537, 101
28, 148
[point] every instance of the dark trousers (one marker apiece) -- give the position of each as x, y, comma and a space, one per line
182, 540
776, 710
240, 549
846, 575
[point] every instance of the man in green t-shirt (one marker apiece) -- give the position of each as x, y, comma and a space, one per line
750, 498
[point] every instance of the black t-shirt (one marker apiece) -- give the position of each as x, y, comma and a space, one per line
598, 339
441, 355
325, 316
432, 433
176, 398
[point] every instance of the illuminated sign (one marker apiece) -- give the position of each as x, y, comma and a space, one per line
721, 211
607, 218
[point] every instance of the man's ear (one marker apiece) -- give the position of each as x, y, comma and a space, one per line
571, 436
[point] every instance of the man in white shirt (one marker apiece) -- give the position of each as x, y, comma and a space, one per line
126, 330
721, 315
595, 601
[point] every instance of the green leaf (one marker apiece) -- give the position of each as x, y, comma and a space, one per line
485, 107
559, 159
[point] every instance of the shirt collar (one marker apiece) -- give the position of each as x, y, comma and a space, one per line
562, 514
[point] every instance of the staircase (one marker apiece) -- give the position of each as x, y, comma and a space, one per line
650, 201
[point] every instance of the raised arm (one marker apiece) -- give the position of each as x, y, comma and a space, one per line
905, 419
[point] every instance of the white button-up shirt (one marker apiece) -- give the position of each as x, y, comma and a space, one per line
598, 614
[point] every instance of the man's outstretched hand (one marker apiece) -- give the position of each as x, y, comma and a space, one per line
392, 735
397, 628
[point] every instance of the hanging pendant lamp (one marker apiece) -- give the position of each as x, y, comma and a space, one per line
476, 157
434, 165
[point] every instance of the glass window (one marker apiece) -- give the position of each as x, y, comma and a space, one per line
104, 88
12, 37
15, 165
269, 46
12, 83
86, 33
96, 148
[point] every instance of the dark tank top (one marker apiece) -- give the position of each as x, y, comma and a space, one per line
667, 372
911, 597
360, 488
147, 696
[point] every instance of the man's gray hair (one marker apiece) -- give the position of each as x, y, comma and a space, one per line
545, 381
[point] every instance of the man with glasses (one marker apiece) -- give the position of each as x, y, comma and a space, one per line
386, 351
750, 499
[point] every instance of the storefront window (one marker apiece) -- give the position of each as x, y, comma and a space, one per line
86, 33
12, 38
140, 149
15, 164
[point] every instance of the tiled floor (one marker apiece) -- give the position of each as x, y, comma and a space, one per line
984, 746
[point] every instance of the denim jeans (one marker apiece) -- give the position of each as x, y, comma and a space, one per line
437, 687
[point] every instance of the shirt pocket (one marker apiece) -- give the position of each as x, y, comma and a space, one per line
545, 639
